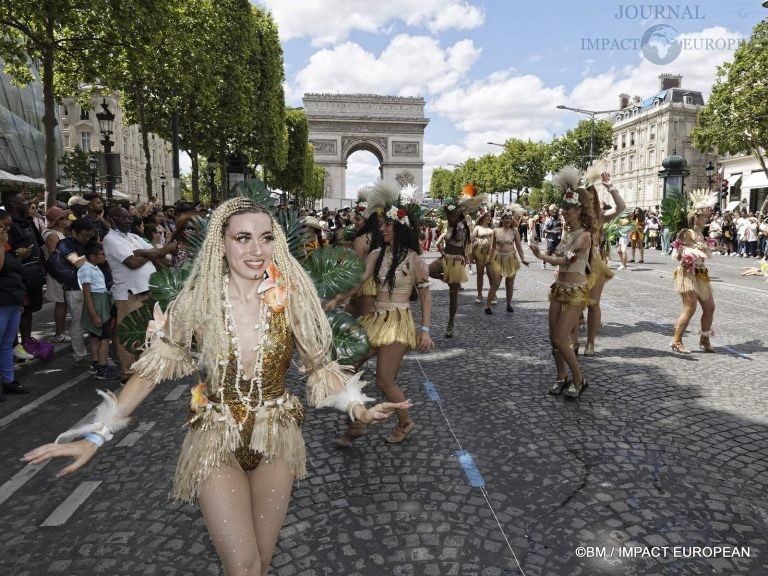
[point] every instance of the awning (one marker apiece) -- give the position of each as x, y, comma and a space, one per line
732, 205
755, 180
732, 180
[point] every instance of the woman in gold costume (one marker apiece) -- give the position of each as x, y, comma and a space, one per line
569, 295
398, 269
507, 255
245, 305
637, 236
692, 282
600, 273
482, 241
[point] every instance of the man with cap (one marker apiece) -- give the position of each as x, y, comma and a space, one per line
552, 231
78, 205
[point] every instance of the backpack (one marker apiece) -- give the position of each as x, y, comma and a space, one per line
62, 271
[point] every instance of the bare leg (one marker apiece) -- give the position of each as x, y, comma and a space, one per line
271, 483
480, 273
60, 317
642, 251
387, 366
509, 284
567, 320
554, 320
225, 501
594, 313
453, 294
495, 283
689, 308
707, 314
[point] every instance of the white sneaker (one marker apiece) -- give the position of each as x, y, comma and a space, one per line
61, 339
622, 267
21, 354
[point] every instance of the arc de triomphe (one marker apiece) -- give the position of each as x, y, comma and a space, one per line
390, 127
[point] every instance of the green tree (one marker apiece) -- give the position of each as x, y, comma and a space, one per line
55, 32
735, 118
522, 163
442, 183
297, 172
76, 168
573, 146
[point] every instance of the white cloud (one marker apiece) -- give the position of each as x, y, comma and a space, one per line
408, 66
331, 21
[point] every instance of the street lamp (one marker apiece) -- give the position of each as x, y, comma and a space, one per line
674, 173
211, 173
106, 118
710, 172
496, 144
93, 165
162, 189
591, 114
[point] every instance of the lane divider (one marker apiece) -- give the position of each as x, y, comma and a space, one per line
131, 438
70, 505
42, 400
176, 393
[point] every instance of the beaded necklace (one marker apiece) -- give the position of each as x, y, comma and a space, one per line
255, 381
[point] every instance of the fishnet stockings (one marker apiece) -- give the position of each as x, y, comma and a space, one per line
244, 512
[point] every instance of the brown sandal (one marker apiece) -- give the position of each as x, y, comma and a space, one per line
400, 433
355, 430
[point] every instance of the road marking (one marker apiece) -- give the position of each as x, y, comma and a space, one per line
470, 469
176, 393
19, 479
431, 391
70, 505
130, 439
42, 400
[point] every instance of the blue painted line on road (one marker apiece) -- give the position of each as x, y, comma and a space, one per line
431, 391
470, 469
733, 351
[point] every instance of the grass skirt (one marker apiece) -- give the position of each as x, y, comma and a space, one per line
454, 271
570, 295
480, 254
507, 265
368, 288
697, 281
599, 267
390, 323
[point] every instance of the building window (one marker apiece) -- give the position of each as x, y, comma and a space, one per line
689, 99
616, 143
631, 163
632, 138
621, 166
614, 168
651, 158
84, 114
85, 141
66, 140
125, 146
652, 132
66, 110
623, 140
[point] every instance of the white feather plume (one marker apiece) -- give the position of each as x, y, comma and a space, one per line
107, 414
381, 194
593, 173
567, 177
362, 194
702, 198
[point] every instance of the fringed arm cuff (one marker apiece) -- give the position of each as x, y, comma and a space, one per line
164, 360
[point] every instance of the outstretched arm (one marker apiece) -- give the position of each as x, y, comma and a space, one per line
619, 205
370, 266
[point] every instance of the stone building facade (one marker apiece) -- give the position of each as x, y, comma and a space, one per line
79, 126
645, 131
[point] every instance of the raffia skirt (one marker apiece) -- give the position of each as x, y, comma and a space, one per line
507, 265
390, 323
570, 295
599, 267
454, 271
696, 281
368, 288
480, 254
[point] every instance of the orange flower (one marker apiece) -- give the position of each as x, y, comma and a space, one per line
273, 289
199, 399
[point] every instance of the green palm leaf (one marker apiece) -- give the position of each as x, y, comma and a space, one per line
254, 189
295, 233
334, 270
166, 283
133, 328
195, 237
350, 342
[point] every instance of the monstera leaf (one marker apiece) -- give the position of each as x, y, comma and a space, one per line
674, 212
350, 342
295, 233
166, 283
195, 237
334, 270
254, 189
133, 328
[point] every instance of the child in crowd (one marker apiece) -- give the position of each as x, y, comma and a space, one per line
97, 309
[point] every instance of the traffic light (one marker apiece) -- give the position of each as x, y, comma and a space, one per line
724, 189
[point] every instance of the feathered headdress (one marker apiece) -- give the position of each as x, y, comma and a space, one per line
702, 201
362, 201
593, 174
567, 179
384, 198
514, 210
466, 204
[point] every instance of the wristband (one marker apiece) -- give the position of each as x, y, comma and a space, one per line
95, 438
424, 329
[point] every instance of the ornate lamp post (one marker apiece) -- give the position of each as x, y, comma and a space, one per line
211, 175
162, 188
93, 165
106, 118
674, 173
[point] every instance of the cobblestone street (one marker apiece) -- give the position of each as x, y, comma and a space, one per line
662, 451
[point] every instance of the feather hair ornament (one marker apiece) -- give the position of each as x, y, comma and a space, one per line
381, 195
471, 203
567, 178
593, 173
514, 210
702, 199
107, 420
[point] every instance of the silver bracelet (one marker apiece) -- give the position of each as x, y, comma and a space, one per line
424, 329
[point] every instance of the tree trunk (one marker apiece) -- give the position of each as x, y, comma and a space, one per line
195, 166
49, 117
139, 96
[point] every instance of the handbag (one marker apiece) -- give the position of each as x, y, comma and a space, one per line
436, 269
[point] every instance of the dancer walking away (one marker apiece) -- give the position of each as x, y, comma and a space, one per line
692, 282
245, 305
482, 243
600, 273
569, 294
638, 234
507, 256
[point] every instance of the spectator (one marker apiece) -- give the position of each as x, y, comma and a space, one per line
78, 205
552, 232
35, 214
729, 234
12, 295
97, 310
96, 214
72, 248
26, 243
58, 223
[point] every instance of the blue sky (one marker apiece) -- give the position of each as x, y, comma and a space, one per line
495, 69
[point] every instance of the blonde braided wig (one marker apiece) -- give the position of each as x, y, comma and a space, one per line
198, 309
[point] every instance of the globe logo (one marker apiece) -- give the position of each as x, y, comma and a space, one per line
660, 44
